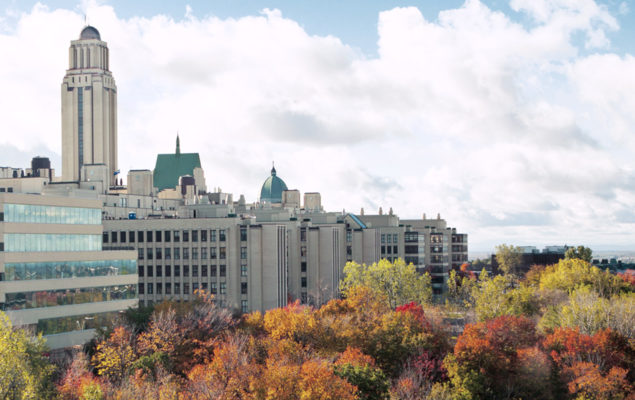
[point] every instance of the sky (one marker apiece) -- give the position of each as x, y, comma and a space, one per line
513, 120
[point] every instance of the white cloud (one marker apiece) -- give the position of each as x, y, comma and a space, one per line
504, 129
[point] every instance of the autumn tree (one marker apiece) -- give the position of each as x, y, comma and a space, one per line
360, 370
569, 275
398, 282
114, 356
579, 253
502, 295
509, 258
24, 371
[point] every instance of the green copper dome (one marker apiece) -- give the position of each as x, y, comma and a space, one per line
272, 189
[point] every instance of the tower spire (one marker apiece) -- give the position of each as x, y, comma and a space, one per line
178, 144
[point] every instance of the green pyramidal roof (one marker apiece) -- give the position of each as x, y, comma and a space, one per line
170, 167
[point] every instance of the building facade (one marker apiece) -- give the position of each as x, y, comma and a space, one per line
54, 275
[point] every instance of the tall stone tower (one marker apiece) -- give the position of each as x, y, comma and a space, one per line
89, 109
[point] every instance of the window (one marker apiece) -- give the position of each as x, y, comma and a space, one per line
140, 270
223, 270
1, 216
168, 270
349, 235
303, 297
203, 270
395, 238
168, 288
204, 286
177, 288
195, 253
243, 270
212, 235
139, 236
221, 235
383, 249
194, 287
203, 252
212, 288
389, 248
150, 271
195, 236
149, 253
303, 251
177, 270
395, 249
212, 253
131, 236
186, 288
223, 288
383, 238
204, 235
141, 288
159, 253
195, 271
303, 234
149, 236
150, 286
243, 253
159, 288
186, 253
167, 236
303, 281
243, 306
186, 271
140, 254
243, 287
122, 236
104, 237
157, 236
159, 271
213, 271
177, 253
303, 266
222, 253
186, 236
243, 234
113, 237
177, 236
168, 253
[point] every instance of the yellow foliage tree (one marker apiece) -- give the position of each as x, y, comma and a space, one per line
114, 357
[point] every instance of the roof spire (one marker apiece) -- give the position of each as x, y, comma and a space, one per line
178, 144
273, 169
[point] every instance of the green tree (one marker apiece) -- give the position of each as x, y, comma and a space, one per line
371, 383
509, 258
24, 372
572, 274
580, 252
398, 282
502, 295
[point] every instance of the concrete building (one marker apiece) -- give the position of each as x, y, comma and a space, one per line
54, 275
89, 112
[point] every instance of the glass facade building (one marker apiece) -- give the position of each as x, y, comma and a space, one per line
64, 297
26, 213
22, 242
68, 269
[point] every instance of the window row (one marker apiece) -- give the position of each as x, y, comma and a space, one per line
52, 326
168, 270
170, 288
390, 238
160, 236
19, 242
68, 269
185, 253
51, 214
389, 249
64, 297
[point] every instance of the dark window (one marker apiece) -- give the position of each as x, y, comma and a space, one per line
104, 237
141, 288
186, 253
158, 235
204, 286
303, 234
212, 235
212, 289
194, 236
222, 253
1, 216
204, 235
383, 249
303, 281
243, 234
243, 287
303, 266
167, 236
149, 252
1, 246
303, 251
177, 270
168, 253
395, 249
194, 253
140, 236
140, 270
159, 270
140, 254
177, 288
186, 236
159, 287
168, 270
122, 236
186, 288
131, 236
149, 236
159, 253
195, 271
213, 271
212, 253
177, 253
186, 270
113, 237
221, 235
168, 288
177, 236
223, 270
203, 270
150, 271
